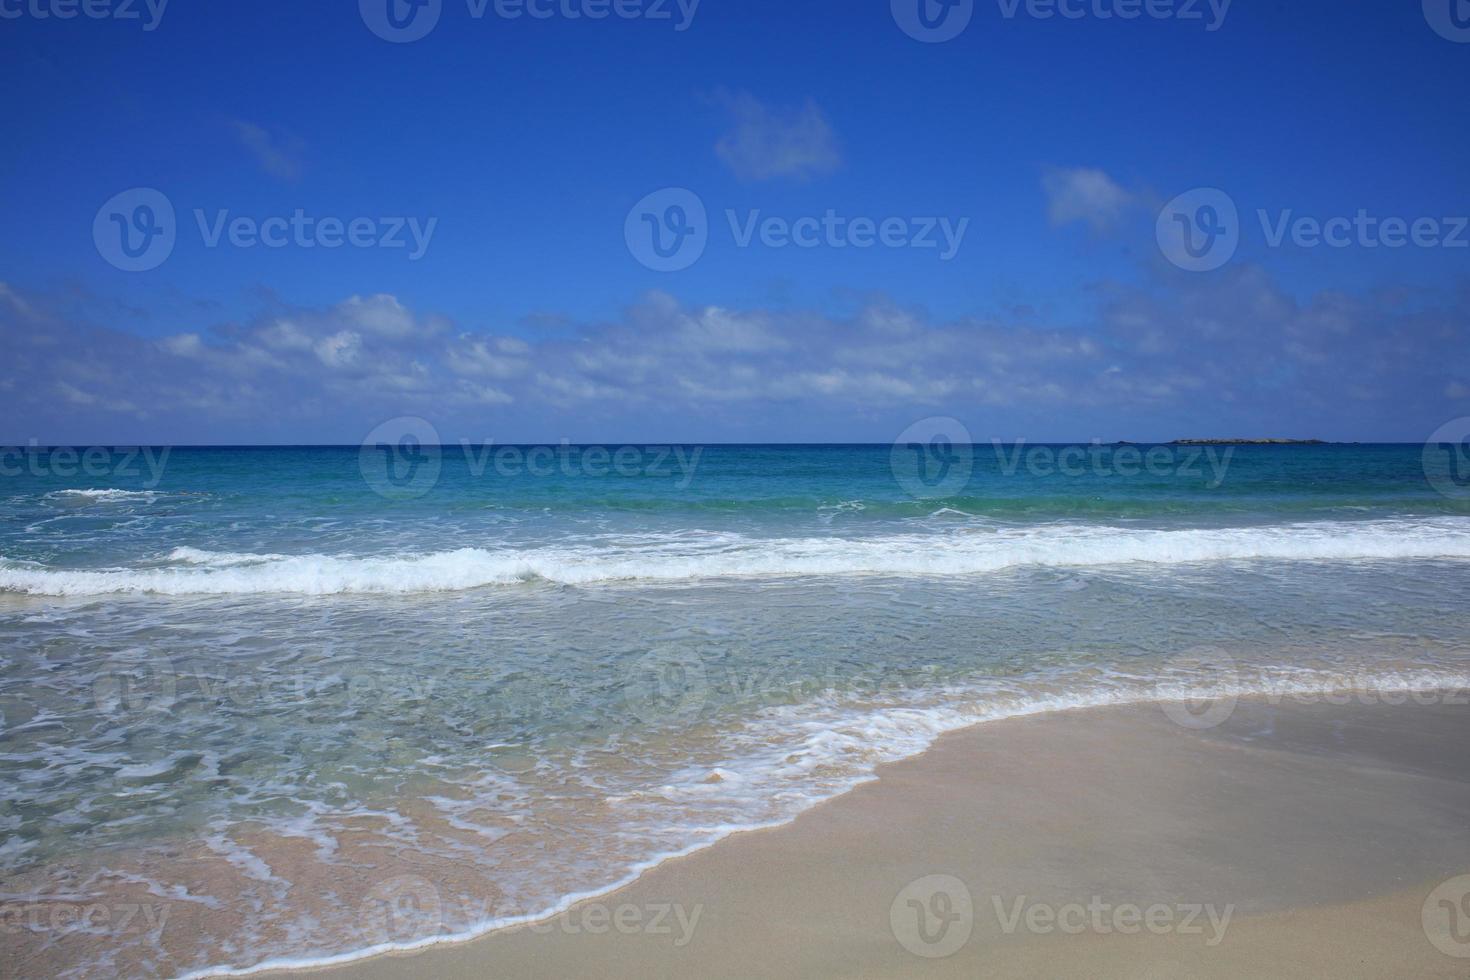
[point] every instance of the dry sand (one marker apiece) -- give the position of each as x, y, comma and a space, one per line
1109, 842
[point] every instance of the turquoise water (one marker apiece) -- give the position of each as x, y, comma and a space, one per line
230, 496
256, 685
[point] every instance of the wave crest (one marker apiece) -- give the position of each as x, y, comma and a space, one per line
106, 495
972, 551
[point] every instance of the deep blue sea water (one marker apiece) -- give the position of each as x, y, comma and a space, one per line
279, 690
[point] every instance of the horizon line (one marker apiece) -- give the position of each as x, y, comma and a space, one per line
1262, 443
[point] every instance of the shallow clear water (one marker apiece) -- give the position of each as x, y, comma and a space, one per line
276, 691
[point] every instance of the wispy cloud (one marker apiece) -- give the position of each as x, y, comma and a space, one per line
1236, 350
767, 142
279, 156
1084, 194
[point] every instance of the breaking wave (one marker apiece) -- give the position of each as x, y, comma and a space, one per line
965, 551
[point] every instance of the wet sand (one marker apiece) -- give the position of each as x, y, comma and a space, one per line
1292, 840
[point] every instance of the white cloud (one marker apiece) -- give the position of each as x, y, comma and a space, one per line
74, 394
766, 142
16, 302
1084, 194
485, 395
278, 156
183, 345
1175, 346
340, 350
77, 396
489, 357
716, 329
284, 335
382, 315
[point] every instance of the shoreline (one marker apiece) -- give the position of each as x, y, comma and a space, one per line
359, 874
464, 953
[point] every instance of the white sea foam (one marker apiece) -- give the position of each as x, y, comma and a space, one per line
107, 495
964, 552
220, 559
838, 748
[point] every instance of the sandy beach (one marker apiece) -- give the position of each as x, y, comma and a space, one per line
1293, 839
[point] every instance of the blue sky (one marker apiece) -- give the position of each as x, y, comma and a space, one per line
521, 145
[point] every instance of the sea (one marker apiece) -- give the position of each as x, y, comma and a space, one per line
266, 707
